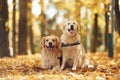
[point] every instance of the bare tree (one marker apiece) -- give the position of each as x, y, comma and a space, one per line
95, 33
107, 24
4, 43
43, 27
30, 30
14, 29
22, 42
117, 16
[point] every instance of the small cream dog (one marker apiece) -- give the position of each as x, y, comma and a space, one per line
73, 53
50, 52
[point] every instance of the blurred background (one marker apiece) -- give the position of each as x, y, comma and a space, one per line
24, 22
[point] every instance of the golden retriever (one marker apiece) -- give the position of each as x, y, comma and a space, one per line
50, 52
73, 53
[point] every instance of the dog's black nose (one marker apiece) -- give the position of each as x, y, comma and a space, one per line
71, 27
50, 43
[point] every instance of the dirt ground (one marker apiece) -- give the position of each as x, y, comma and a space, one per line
29, 68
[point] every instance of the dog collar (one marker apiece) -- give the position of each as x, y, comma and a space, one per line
70, 44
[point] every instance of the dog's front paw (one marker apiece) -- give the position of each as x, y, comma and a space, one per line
73, 68
61, 69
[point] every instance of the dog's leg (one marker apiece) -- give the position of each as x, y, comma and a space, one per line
81, 57
80, 62
45, 65
63, 62
56, 68
56, 65
75, 63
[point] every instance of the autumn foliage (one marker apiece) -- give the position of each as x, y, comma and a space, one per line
29, 68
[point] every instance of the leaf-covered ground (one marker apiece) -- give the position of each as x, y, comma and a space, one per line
29, 68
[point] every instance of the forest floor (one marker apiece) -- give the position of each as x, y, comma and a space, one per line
28, 68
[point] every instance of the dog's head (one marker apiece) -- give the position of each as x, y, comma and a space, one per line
71, 27
50, 42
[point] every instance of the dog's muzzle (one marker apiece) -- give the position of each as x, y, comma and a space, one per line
50, 47
71, 30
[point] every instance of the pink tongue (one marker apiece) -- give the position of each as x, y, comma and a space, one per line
72, 31
50, 49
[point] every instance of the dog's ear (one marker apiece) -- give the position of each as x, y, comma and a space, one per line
57, 41
43, 42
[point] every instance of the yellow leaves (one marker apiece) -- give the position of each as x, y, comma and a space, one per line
95, 5
56, 1
101, 22
107, 2
29, 68
63, 5
112, 62
18, 65
76, 76
29, 5
42, 19
42, 5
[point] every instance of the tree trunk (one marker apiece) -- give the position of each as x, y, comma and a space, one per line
14, 29
22, 42
117, 16
107, 24
95, 33
30, 31
4, 42
31, 40
43, 21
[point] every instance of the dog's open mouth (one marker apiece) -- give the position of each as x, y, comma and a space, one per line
50, 48
71, 30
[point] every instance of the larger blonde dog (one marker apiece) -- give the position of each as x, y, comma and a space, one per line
73, 53
50, 52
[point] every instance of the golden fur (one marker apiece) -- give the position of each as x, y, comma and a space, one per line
73, 56
50, 53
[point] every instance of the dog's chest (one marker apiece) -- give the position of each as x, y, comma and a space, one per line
71, 51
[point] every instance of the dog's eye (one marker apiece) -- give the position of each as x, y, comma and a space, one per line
46, 39
53, 40
73, 23
68, 23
